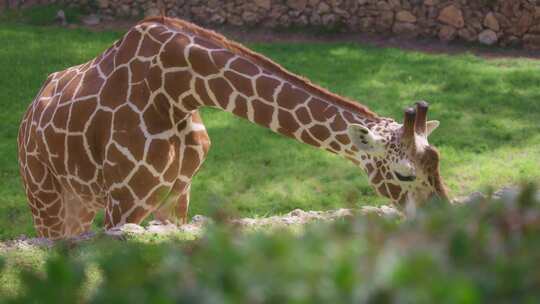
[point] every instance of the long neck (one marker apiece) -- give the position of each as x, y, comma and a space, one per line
207, 70
271, 97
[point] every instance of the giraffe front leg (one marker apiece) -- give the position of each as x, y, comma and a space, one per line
175, 208
197, 144
125, 206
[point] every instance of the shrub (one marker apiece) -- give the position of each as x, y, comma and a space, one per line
486, 251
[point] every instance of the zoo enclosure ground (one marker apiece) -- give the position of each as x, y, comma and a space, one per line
488, 108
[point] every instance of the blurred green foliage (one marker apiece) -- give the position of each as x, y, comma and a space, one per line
483, 252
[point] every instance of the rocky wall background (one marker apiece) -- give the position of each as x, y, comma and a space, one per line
490, 22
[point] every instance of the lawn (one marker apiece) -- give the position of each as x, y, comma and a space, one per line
489, 112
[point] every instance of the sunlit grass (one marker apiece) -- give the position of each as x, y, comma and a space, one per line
489, 112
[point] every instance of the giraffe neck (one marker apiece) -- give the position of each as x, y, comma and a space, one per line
193, 67
269, 99
218, 73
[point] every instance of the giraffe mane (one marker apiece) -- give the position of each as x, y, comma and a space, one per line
263, 61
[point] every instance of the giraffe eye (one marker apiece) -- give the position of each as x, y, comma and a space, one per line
403, 178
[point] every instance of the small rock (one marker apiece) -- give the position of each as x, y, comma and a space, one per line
41, 242
473, 197
395, 4
524, 23
290, 221
390, 212
384, 6
191, 229
296, 212
135, 12
509, 194
532, 42
152, 11
209, 3
385, 211
475, 24
21, 245
405, 16
452, 15
447, 33
385, 21
61, 18
504, 22
323, 8
245, 222
265, 4
83, 237
108, 18
487, 37
297, 4
132, 228
535, 29
124, 10
512, 41
467, 34
507, 8
235, 20
128, 228
365, 24
103, 4
405, 28
302, 21
343, 213
491, 22
162, 229
217, 19
249, 17
200, 219
91, 20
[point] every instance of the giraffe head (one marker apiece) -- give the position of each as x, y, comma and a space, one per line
400, 162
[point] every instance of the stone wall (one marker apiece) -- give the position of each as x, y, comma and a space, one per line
502, 22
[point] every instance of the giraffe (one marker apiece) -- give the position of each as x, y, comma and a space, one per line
123, 133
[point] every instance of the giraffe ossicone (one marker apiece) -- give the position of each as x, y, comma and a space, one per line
122, 132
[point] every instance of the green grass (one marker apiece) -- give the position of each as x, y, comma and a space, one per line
489, 112
40, 15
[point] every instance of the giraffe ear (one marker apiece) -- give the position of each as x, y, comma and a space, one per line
364, 139
431, 126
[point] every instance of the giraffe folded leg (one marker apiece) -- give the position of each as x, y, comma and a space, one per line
136, 195
175, 208
120, 211
78, 216
197, 141
123, 206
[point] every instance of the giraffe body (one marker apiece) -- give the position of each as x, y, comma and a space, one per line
122, 132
